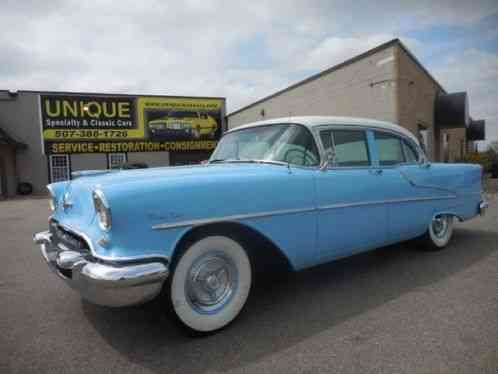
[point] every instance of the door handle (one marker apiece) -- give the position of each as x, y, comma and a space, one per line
376, 171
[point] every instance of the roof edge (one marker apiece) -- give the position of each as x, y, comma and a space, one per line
420, 65
41, 92
390, 43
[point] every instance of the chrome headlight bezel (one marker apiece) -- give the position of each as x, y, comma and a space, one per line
102, 209
53, 199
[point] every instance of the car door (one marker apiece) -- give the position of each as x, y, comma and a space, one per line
351, 216
409, 205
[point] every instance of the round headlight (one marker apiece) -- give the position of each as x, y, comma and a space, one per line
53, 200
102, 209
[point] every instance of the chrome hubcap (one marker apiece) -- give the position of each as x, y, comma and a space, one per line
211, 282
440, 226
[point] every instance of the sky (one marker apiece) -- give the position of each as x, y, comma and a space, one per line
240, 50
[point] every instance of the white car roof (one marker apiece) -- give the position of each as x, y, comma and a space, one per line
314, 121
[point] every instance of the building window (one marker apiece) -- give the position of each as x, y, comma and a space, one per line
116, 160
59, 168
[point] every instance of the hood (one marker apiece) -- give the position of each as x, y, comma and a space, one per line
111, 178
132, 184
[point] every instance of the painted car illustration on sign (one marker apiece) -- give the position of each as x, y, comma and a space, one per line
189, 124
301, 190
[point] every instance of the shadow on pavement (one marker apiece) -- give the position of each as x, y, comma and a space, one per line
282, 312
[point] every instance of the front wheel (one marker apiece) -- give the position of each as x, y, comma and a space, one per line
210, 283
439, 232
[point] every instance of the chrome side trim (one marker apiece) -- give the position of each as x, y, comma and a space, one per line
483, 207
414, 184
389, 201
235, 217
238, 217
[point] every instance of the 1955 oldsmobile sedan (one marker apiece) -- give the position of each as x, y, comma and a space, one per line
304, 190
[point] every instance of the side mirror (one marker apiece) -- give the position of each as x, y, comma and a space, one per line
329, 159
424, 162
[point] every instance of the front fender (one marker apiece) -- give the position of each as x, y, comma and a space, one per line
151, 218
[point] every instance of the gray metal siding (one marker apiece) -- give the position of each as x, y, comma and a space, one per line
152, 159
88, 161
20, 117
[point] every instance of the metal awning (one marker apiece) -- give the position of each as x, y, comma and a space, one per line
476, 130
452, 110
6, 139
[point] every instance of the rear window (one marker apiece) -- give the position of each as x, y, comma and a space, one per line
411, 156
389, 149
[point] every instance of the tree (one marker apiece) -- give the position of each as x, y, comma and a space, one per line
493, 147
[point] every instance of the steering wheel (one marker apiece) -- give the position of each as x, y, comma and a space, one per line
298, 157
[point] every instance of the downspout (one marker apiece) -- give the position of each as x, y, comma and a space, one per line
397, 90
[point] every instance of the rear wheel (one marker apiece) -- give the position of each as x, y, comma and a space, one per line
439, 232
210, 283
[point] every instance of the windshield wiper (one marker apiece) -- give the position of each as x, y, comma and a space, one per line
251, 161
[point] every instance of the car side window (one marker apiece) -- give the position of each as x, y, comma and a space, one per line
411, 156
297, 147
389, 149
351, 148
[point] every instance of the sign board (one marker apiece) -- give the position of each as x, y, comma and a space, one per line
103, 124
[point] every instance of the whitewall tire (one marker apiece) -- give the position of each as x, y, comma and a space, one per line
440, 231
210, 283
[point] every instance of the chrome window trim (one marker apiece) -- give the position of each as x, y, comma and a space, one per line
315, 132
239, 217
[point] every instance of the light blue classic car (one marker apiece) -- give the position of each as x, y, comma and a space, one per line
301, 190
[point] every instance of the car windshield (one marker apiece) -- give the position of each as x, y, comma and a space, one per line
287, 143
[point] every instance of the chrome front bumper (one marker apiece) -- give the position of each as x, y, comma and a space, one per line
483, 206
101, 282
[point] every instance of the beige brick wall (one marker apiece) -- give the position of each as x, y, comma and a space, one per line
387, 85
364, 88
417, 94
456, 144
416, 98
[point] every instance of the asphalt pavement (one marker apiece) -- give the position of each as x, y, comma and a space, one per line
394, 310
